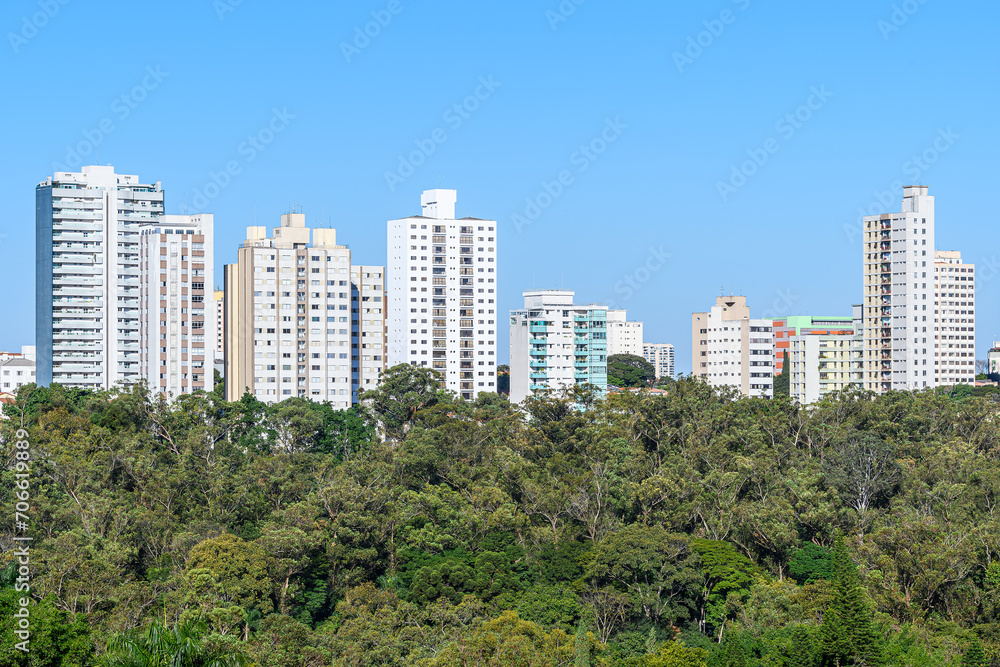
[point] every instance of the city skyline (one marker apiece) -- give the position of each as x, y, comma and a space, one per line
580, 138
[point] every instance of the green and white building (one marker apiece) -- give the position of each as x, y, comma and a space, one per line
556, 344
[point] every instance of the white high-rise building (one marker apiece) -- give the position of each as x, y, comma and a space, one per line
555, 344
624, 337
730, 349
443, 294
296, 324
87, 309
955, 328
661, 355
899, 311
178, 328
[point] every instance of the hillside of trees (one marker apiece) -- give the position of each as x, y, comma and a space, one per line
696, 528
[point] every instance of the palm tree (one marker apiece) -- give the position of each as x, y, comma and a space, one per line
160, 646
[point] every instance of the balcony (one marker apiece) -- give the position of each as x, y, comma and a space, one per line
538, 376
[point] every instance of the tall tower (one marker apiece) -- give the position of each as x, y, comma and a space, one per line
87, 308
899, 312
442, 294
955, 312
178, 323
730, 349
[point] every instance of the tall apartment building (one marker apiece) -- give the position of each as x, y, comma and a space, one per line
624, 337
178, 326
786, 329
825, 359
919, 307
955, 328
555, 344
293, 317
369, 325
442, 294
87, 308
661, 355
730, 349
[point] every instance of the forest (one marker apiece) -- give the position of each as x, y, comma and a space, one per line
694, 528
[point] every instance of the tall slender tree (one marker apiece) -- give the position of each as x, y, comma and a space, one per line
848, 635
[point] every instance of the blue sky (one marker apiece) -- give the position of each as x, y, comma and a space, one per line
643, 109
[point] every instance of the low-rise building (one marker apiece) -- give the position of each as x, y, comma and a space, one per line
15, 373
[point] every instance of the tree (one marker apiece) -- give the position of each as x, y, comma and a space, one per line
848, 635
783, 382
628, 370
503, 379
403, 391
57, 638
974, 656
183, 645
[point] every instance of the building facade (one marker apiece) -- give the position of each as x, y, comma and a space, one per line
728, 348
219, 306
624, 337
177, 331
661, 355
87, 310
16, 372
556, 344
442, 292
293, 317
899, 295
955, 312
368, 306
788, 328
825, 360
993, 359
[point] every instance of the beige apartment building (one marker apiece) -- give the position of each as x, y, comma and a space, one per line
728, 348
300, 319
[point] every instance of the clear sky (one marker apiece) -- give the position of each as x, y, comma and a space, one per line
647, 111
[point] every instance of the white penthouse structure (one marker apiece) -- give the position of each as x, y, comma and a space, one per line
442, 294
87, 309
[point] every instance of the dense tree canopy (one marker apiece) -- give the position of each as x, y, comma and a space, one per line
692, 528
628, 370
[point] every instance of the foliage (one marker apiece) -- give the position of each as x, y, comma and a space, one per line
783, 382
695, 527
629, 370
